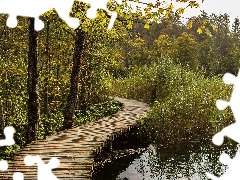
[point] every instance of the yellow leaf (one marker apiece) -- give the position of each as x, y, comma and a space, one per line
204, 21
214, 28
160, 11
171, 6
129, 26
190, 23
180, 10
208, 33
146, 26
19, 27
199, 30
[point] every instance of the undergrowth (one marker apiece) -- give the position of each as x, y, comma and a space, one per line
49, 126
183, 102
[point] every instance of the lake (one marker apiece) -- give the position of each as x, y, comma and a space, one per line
161, 161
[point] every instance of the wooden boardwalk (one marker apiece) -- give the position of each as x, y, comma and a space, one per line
75, 148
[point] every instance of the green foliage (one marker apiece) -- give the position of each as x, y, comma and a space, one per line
189, 111
55, 47
50, 125
53, 124
214, 52
145, 83
97, 111
185, 51
127, 61
162, 46
183, 101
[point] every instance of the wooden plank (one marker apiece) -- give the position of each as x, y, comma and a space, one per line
75, 148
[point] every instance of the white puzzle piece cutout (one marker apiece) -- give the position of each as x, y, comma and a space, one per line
231, 131
233, 167
18, 176
3, 165
101, 4
44, 170
35, 8
8, 141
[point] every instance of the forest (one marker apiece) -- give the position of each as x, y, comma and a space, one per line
59, 77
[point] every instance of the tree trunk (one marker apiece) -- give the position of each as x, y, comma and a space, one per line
45, 96
72, 99
82, 101
33, 101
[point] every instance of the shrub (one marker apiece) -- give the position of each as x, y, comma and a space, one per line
183, 102
190, 111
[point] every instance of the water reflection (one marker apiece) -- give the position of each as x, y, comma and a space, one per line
185, 161
182, 163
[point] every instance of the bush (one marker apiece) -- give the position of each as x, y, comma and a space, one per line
145, 83
183, 102
97, 111
190, 111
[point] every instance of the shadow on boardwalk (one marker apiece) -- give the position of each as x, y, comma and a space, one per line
75, 148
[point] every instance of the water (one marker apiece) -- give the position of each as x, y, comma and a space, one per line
184, 162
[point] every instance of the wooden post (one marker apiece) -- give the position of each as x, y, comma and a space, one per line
109, 146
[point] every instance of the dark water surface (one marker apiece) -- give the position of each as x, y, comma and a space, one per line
183, 162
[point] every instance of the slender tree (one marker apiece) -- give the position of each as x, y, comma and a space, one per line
33, 101
46, 98
72, 99
236, 28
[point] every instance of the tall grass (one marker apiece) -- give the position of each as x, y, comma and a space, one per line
183, 102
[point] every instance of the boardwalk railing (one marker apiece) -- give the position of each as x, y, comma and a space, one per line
75, 148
